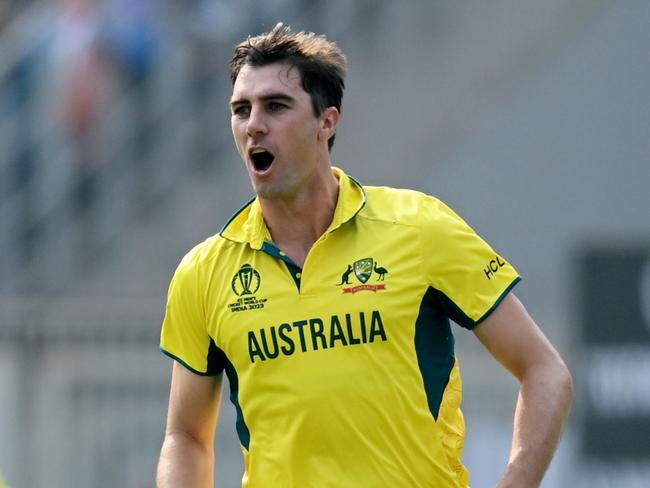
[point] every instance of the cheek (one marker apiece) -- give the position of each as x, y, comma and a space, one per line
307, 133
238, 134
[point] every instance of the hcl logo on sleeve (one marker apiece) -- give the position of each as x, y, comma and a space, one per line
493, 266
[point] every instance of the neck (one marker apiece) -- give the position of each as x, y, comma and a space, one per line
297, 222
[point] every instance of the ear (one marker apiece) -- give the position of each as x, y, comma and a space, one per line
329, 120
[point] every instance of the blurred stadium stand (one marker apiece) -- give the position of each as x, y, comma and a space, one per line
531, 119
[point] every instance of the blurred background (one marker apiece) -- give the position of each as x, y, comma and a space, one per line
531, 119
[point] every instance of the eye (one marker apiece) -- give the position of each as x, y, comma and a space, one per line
241, 111
276, 106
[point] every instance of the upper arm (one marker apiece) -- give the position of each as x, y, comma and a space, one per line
194, 404
514, 339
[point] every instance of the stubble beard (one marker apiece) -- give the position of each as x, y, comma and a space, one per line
280, 188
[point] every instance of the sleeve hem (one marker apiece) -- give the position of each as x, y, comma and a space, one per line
187, 366
498, 301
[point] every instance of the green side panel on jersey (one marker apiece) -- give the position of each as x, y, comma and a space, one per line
434, 347
218, 362
240, 424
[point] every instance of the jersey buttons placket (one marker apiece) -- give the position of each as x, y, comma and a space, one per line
295, 271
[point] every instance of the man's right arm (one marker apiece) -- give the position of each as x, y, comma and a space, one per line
187, 455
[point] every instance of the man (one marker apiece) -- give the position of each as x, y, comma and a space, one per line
327, 304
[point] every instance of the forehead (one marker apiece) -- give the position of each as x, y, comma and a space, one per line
257, 81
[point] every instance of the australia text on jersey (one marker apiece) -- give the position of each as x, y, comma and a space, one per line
315, 334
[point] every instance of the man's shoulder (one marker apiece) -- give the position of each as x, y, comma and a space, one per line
400, 205
205, 253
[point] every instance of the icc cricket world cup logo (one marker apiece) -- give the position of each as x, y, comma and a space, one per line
246, 281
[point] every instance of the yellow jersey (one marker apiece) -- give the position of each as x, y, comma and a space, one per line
342, 372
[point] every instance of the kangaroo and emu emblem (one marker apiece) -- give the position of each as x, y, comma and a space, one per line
363, 270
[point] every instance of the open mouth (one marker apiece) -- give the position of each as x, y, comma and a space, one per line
261, 159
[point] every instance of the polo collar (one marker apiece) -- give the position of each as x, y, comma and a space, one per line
248, 226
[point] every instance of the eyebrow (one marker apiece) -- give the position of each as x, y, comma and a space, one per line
264, 98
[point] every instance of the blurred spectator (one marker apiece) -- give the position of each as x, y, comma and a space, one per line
82, 92
81, 72
211, 25
17, 86
131, 39
129, 31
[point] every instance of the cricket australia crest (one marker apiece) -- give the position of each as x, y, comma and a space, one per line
363, 269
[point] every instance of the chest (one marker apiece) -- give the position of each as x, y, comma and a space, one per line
359, 289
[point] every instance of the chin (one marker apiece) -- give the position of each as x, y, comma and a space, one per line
267, 191
274, 188
273, 192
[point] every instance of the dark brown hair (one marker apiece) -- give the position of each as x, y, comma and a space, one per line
320, 62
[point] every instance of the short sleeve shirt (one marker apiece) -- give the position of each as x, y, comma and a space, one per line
342, 372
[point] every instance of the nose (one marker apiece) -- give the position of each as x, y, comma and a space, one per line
256, 124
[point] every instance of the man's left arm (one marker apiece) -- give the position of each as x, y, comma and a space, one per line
546, 393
